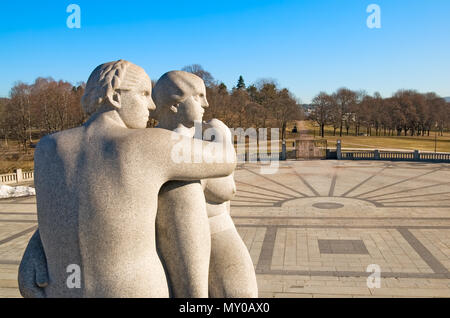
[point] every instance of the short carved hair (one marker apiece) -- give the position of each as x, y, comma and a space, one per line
173, 88
104, 81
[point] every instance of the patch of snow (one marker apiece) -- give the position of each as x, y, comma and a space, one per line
15, 192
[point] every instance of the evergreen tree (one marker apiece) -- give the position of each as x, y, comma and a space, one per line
241, 83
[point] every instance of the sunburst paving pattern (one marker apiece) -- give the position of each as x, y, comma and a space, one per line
314, 227
320, 224
377, 184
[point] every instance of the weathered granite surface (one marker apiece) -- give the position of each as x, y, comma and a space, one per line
190, 245
231, 270
97, 187
33, 274
182, 228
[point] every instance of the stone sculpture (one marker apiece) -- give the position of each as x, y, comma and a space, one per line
231, 270
97, 188
186, 239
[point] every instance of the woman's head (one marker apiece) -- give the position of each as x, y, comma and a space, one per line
179, 96
122, 86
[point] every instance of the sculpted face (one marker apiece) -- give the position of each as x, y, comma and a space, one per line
192, 109
135, 98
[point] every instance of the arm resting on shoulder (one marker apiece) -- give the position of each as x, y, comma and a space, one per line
188, 159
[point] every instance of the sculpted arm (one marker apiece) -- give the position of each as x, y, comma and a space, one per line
184, 158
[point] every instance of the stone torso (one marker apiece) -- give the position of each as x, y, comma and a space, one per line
101, 207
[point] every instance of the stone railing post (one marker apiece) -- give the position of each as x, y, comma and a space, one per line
376, 155
283, 150
19, 175
339, 149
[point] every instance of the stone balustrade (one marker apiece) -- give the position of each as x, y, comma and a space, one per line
395, 156
17, 177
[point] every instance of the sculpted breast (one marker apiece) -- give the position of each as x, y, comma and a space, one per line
219, 190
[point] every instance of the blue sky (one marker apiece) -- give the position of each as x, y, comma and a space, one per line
307, 46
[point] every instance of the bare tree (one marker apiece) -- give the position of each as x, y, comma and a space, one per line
321, 114
18, 115
345, 99
286, 109
4, 126
198, 70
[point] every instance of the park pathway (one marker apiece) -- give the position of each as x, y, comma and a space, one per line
302, 129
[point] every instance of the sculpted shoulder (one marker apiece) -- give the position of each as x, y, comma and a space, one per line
65, 140
142, 151
149, 138
155, 134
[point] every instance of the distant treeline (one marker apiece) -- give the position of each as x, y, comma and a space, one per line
48, 106
407, 112
260, 105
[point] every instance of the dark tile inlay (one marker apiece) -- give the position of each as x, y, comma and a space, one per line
423, 252
355, 274
328, 205
18, 221
13, 237
342, 247
314, 226
9, 262
265, 257
18, 213
333, 185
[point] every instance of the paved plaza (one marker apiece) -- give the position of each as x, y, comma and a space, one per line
314, 227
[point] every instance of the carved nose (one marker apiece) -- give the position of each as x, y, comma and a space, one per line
151, 105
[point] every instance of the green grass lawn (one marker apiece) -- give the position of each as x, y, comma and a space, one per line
383, 142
